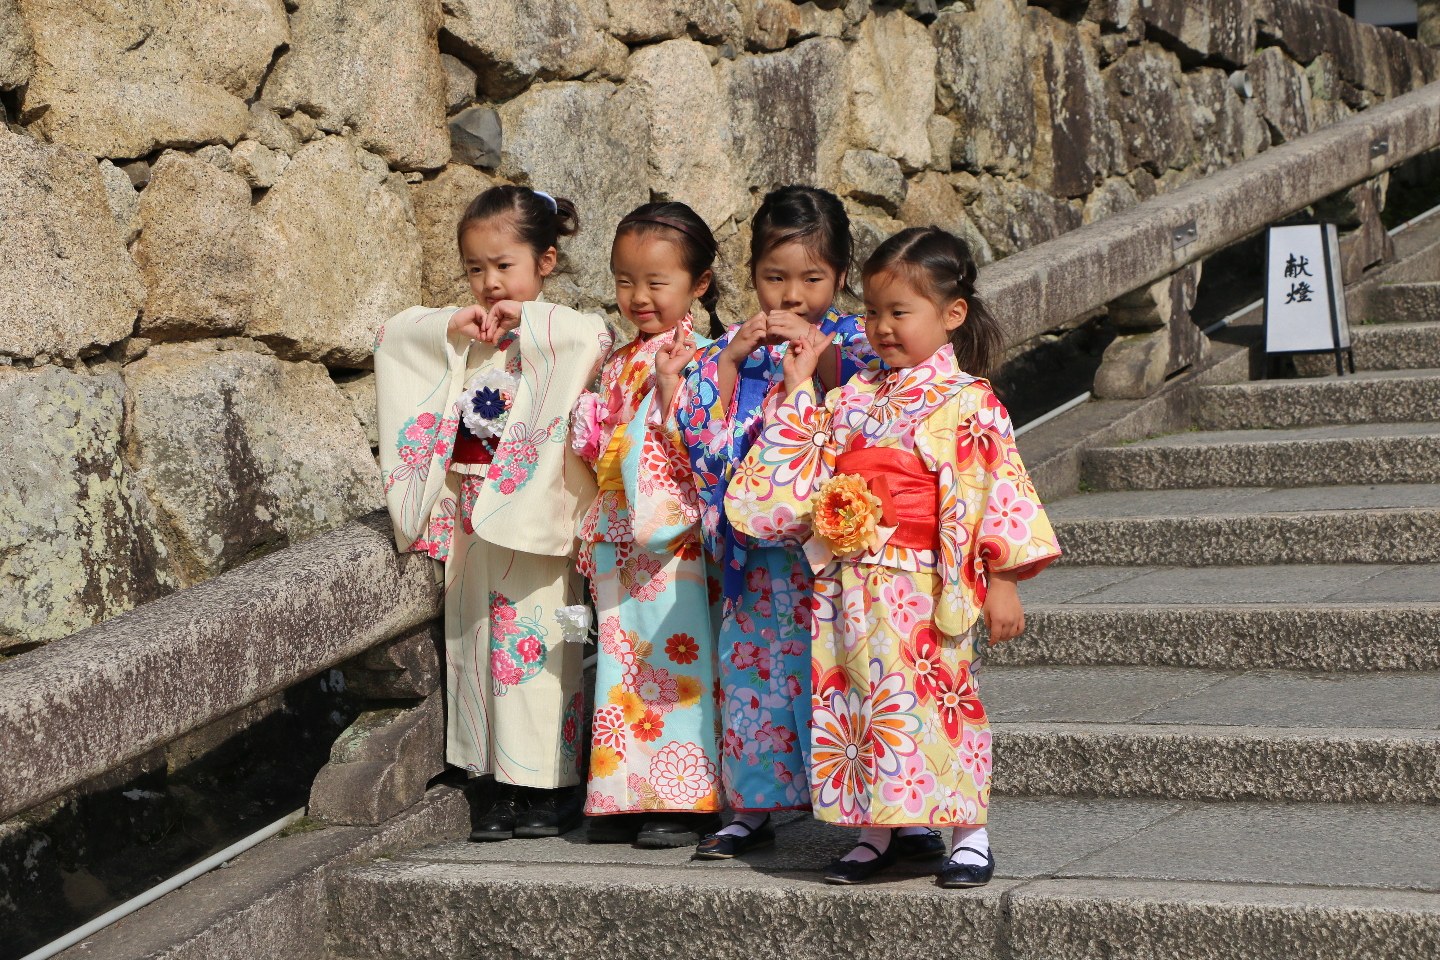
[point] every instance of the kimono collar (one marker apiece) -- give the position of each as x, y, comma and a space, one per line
643, 351
873, 402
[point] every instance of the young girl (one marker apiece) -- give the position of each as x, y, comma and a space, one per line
654, 775
481, 477
799, 259
915, 501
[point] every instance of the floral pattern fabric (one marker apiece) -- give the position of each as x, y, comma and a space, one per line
899, 735
765, 626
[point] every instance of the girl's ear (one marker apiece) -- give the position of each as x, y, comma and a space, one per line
842, 280
956, 314
546, 263
703, 284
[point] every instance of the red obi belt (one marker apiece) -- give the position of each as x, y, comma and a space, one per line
909, 494
471, 449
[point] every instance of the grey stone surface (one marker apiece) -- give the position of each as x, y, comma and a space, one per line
891, 68
1277, 699
17, 49
1233, 502
270, 901
1350, 637
1404, 303
406, 667
1396, 585
1088, 694
66, 282
512, 44
1350, 454
380, 764
1409, 346
78, 540
984, 85
1067, 584
1381, 397
231, 450
476, 137
84, 704
439, 205
1287, 584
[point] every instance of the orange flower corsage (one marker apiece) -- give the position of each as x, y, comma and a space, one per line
847, 515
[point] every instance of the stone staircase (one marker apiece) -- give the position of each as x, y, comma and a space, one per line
1219, 738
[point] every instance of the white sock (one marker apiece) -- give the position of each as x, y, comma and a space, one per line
737, 827
975, 838
914, 830
877, 837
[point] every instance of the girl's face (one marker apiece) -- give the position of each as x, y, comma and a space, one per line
903, 325
790, 277
652, 287
500, 266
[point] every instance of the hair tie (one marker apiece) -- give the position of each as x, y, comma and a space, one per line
554, 207
709, 244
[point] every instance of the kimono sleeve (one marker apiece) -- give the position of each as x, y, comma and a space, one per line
702, 416
419, 373
769, 494
659, 486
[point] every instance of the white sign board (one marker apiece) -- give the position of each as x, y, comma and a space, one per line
1304, 298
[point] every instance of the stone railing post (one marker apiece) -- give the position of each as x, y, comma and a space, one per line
1155, 337
380, 765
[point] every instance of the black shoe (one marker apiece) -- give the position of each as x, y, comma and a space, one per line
956, 875
676, 829
723, 846
918, 846
498, 822
550, 813
616, 827
858, 871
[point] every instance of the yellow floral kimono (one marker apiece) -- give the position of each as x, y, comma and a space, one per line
501, 513
898, 733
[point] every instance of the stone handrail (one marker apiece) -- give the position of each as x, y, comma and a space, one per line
1054, 282
108, 694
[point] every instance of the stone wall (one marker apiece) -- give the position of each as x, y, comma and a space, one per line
206, 211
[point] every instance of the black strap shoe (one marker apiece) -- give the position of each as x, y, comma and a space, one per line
498, 822
665, 830
918, 846
615, 827
960, 875
858, 871
550, 814
724, 846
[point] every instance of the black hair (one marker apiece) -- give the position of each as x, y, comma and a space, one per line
943, 267
538, 225
685, 228
810, 215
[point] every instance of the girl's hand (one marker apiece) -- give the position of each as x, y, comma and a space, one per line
752, 334
803, 357
1003, 614
468, 322
503, 317
784, 326
670, 362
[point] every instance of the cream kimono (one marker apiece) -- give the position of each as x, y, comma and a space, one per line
502, 517
898, 734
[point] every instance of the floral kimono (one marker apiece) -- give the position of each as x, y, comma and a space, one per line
765, 632
478, 474
654, 742
919, 481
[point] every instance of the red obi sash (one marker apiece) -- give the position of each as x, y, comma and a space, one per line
909, 494
471, 449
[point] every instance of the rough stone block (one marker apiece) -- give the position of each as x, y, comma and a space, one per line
1282, 94
942, 140
1133, 366
372, 65
1226, 129
197, 250
582, 141
243, 453
1211, 30
1076, 139
259, 165
786, 114
476, 137
124, 201
409, 667
1404, 303
360, 391
337, 245
379, 766
439, 205
267, 129
1145, 98
873, 178
930, 200
125, 79
78, 542
511, 44
66, 283
892, 88
17, 49
985, 86
460, 83
675, 92
774, 23
1013, 216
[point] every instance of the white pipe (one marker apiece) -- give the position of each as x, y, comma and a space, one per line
1063, 408
1413, 220
1234, 316
156, 892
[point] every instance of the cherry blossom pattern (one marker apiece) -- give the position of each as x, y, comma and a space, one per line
681, 774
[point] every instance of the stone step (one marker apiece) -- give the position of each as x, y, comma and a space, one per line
1371, 396
1117, 879
1391, 523
1396, 346
1302, 457
1404, 303
1169, 733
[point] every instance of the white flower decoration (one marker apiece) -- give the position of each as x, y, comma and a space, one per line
574, 622
485, 404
